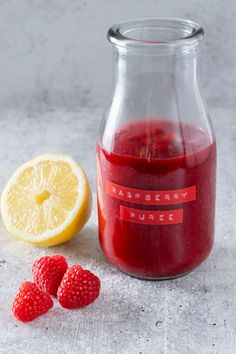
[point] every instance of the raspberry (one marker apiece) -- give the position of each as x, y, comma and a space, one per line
30, 302
78, 288
48, 272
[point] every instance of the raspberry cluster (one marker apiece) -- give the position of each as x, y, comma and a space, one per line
73, 286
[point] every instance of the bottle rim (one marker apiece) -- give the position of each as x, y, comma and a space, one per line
156, 32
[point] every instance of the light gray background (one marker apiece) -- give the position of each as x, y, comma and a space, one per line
55, 53
55, 72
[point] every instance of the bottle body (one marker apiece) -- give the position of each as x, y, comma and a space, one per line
156, 167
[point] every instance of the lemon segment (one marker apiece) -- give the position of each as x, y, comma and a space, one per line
47, 200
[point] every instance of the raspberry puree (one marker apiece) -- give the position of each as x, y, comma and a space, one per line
156, 196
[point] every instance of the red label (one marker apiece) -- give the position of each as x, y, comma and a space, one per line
149, 217
139, 196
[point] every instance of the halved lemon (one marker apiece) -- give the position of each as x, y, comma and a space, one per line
47, 200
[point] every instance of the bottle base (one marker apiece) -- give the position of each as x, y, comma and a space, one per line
140, 277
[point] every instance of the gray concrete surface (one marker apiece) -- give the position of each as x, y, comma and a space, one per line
55, 74
55, 52
190, 315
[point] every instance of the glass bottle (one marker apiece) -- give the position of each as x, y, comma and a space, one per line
156, 154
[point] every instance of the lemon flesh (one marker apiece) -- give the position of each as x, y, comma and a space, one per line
47, 200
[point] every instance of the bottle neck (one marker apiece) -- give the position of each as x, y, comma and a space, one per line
156, 84
151, 67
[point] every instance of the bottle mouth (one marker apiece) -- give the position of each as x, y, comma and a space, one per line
157, 32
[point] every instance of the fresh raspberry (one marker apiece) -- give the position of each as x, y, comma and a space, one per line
48, 272
30, 302
78, 288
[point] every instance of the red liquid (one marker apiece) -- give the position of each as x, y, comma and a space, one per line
158, 155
